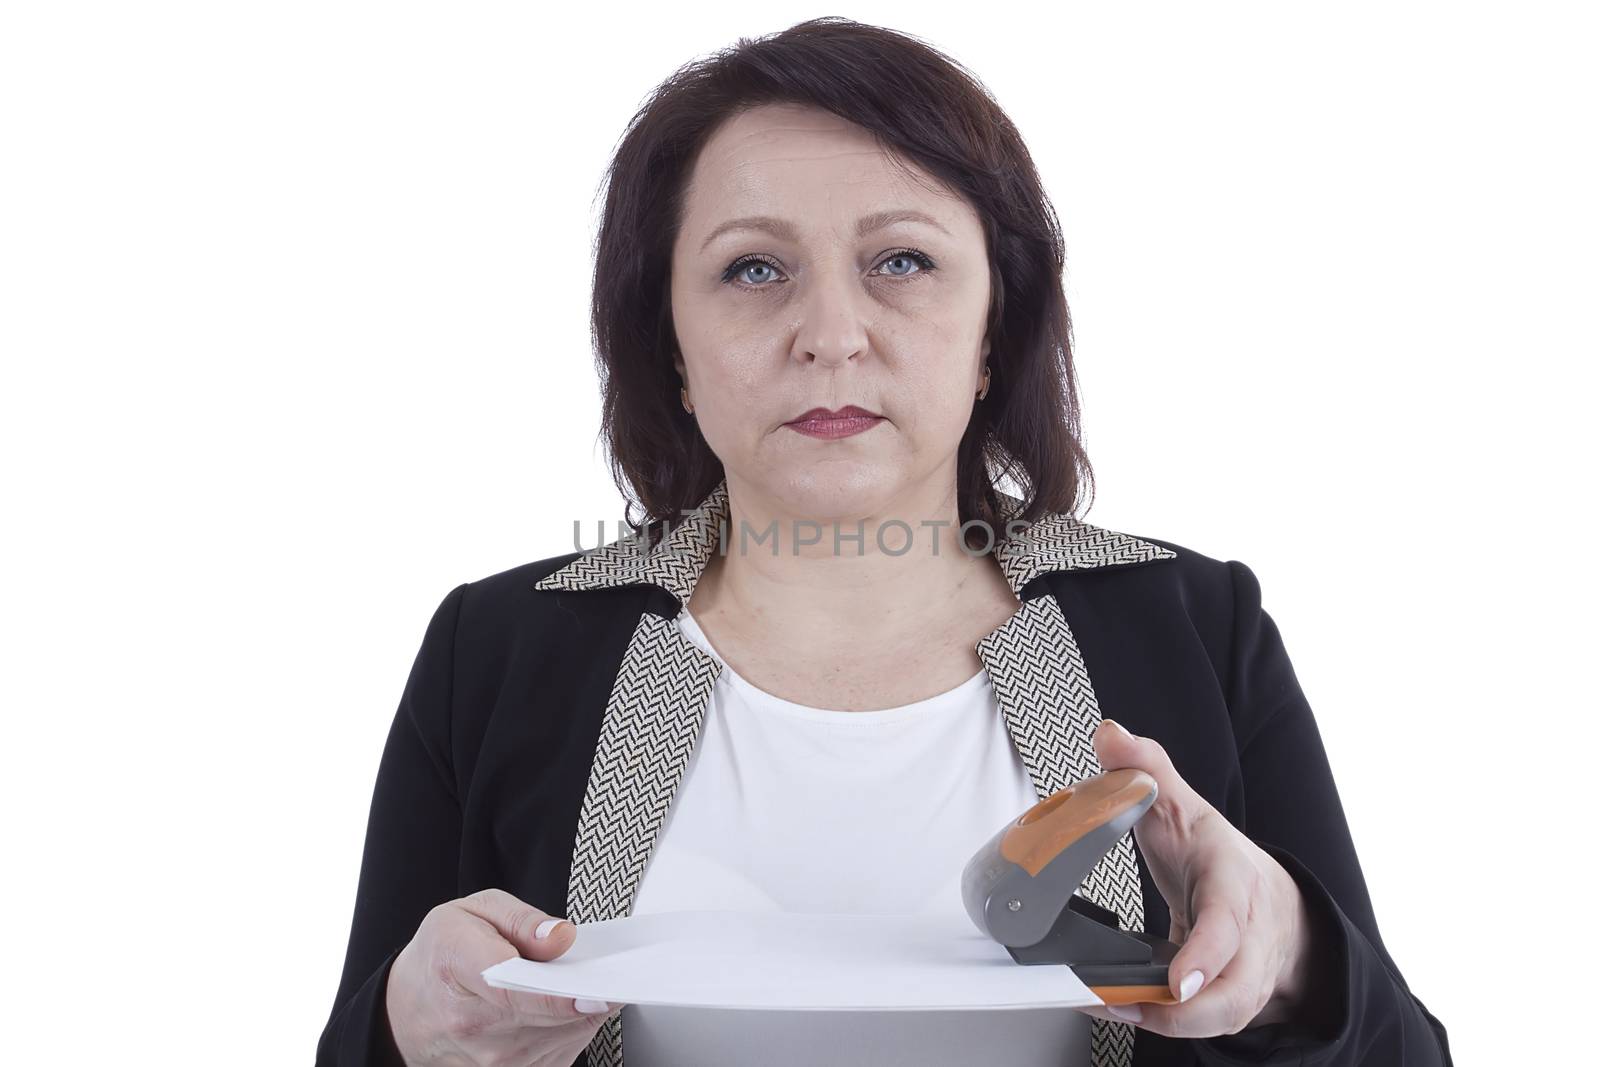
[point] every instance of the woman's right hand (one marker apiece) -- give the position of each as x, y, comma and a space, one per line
441, 1011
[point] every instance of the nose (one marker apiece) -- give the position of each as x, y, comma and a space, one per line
833, 325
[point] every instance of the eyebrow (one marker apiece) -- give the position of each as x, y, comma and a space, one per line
786, 230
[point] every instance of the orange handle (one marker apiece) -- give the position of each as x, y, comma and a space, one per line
1134, 994
1045, 830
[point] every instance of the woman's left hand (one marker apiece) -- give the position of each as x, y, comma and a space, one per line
1247, 941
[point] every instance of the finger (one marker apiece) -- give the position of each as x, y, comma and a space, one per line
1225, 1006
552, 1010
472, 946
1117, 748
1222, 906
529, 1008
520, 923
480, 943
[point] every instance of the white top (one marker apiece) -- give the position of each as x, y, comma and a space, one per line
794, 808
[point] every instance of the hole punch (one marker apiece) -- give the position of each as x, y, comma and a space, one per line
1021, 888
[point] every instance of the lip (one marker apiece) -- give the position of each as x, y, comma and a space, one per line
845, 422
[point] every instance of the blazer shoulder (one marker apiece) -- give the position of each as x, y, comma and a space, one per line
1188, 596
509, 595
1201, 585
1189, 565
525, 575
1198, 578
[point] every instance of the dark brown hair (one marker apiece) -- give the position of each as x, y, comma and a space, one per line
920, 105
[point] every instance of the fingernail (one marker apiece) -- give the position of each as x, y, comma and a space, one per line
592, 1007
544, 928
1120, 729
1130, 1012
1190, 985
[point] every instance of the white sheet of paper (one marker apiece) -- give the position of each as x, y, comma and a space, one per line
794, 961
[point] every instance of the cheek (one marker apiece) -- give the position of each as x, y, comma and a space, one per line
738, 376
934, 372
725, 364
718, 320
738, 394
943, 409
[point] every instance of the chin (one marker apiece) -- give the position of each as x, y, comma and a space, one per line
840, 488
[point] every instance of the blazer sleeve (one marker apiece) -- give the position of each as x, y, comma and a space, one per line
1365, 1012
411, 853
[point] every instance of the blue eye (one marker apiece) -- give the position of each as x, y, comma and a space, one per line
911, 255
745, 264
919, 260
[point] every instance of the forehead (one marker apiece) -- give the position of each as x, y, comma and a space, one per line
809, 165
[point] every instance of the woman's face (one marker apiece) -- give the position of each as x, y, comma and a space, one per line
834, 299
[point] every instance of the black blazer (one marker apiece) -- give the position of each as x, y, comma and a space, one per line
552, 707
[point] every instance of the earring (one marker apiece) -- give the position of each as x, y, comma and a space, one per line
985, 390
683, 398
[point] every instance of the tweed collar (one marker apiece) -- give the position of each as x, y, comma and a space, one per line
1055, 542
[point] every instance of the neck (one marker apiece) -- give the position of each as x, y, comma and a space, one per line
899, 570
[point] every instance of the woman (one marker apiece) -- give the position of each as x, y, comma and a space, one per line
828, 303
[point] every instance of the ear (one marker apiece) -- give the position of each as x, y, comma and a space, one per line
677, 362
985, 352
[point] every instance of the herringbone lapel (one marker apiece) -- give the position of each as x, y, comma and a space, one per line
652, 722
1050, 709
1049, 705
658, 701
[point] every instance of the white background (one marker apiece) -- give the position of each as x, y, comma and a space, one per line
294, 314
